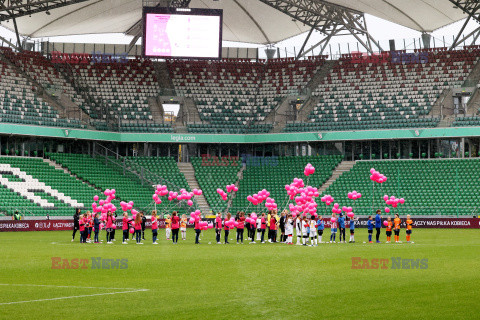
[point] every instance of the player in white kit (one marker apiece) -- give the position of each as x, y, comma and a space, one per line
313, 232
289, 229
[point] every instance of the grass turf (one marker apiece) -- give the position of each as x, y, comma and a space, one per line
272, 281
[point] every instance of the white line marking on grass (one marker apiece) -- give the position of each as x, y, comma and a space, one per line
71, 297
52, 285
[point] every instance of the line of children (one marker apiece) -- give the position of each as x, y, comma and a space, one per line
306, 228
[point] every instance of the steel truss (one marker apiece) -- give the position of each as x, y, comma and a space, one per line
327, 18
472, 9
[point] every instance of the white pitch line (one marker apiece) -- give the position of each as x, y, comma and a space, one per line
71, 297
52, 285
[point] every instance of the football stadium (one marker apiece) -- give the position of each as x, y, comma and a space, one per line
206, 159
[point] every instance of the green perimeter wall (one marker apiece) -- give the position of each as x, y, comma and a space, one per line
451, 132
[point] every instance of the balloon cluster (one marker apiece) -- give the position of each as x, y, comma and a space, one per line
347, 209
392, 201
354, 195
259, 197
222, 194
126, 205
231, 223
159, 192
232, 188
270, 204
253, 218
309, 169
293, 188
305, 201
194, 216
181, 195
377, 176
336, 208
328, 199
106, 205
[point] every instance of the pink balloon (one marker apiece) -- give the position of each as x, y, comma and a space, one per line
132, 230
95, 198
190, 203
387, 210
385, 223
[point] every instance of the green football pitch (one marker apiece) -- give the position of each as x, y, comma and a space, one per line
249, 281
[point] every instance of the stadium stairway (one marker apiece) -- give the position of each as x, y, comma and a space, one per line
156, 109
188, 107
189, 172
279, 114
444, 99
163, 76
321, 74
342, 167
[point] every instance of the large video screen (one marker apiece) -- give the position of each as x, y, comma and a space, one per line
182, 33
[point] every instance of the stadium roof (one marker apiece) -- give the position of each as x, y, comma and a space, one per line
251, 21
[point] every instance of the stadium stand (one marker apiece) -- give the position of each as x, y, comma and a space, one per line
42, 70
233, 96
276, 172
164, 167
125, 89
212, 175
21, 104
105, 176
430, 187
57, 179
128, 187
467, 121
357, 96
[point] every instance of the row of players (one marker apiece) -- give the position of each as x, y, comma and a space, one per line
306, 228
